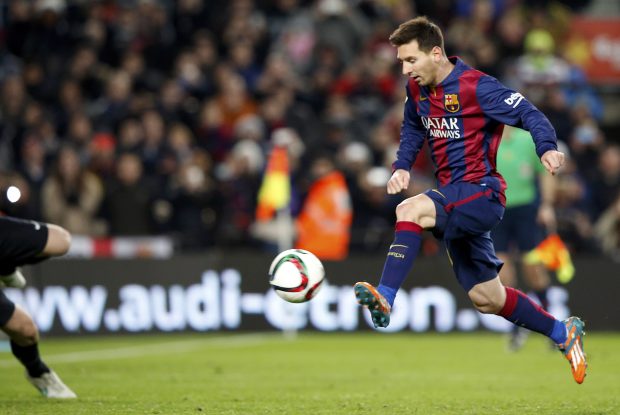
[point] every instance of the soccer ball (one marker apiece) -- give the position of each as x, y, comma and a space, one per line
296, 275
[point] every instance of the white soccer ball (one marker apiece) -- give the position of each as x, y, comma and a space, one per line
296, 275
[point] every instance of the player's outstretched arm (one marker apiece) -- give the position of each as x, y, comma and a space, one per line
399, 181
552, 160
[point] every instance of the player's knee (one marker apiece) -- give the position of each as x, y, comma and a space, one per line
410, 211
484, 303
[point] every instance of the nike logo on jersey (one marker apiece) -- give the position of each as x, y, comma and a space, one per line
423, 98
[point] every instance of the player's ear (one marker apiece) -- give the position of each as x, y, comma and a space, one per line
437, 54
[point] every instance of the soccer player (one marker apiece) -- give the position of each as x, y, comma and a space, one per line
461, 112
528, 216
28, 242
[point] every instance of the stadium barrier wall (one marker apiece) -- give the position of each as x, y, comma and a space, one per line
229, 292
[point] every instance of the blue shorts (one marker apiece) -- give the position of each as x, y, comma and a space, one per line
465, 215
519, 229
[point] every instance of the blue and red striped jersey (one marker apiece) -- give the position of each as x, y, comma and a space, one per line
463, 119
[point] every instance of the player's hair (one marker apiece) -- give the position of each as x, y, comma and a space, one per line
426, 33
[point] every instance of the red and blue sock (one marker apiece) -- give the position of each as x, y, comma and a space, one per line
522, 311
400, 258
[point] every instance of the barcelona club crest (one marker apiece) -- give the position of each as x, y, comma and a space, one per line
452, 102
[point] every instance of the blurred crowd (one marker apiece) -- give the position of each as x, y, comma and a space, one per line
156, 117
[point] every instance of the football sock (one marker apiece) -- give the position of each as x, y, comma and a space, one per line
400, 257
520, 310
559, 333
30, 358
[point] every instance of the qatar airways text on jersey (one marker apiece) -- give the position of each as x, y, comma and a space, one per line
442, 127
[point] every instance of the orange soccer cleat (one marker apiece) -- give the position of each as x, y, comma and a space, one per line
368, 296
573, 348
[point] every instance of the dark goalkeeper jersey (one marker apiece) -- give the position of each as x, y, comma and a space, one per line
463, 119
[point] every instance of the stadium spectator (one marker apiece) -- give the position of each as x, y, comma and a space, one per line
102, 155
324, 222
372, 211
130, 135
13, 101
113, 107
605, 184
33, 168
79, 135
233, 100
470, 198
127, 205
155, 130
195, 204
572, 205
72, 195
586, 141
607, 230
238, 184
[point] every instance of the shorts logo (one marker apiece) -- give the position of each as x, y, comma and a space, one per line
451, 102
36, 225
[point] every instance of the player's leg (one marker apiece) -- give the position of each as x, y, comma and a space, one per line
527, 236
538, 280
508, 277
491, 297
24, 338
504, 236
412, 216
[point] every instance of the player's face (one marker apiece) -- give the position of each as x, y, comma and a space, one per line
420, 66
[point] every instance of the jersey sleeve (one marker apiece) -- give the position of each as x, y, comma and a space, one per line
531, 156
510, 107
412, 135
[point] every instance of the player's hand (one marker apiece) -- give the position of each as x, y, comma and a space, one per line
552, 160
399, 181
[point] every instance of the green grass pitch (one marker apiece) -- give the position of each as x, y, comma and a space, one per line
314, 373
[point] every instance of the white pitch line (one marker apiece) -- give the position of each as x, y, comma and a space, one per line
239, 340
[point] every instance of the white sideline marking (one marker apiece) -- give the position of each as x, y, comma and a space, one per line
238, 340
